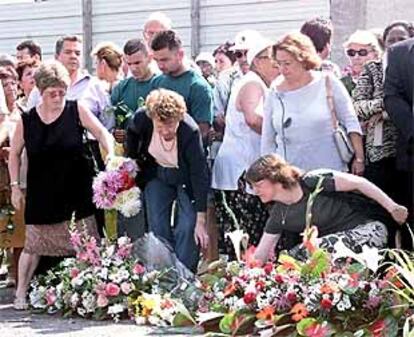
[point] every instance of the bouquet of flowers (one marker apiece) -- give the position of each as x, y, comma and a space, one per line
107, 281
94, 284
115, 189
316, 298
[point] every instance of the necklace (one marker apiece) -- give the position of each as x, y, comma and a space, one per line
284, 215
163, 145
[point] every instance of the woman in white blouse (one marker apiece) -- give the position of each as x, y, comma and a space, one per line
241, 147
297, 121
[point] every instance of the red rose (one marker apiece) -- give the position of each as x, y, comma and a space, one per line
291, 297
279, 278
249, 298
127, 181
268, 268
326, 303
260, 285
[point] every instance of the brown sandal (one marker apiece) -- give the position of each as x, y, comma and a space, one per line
20, 303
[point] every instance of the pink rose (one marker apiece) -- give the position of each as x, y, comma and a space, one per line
111, 290
100, 288
51, 297
102, 301
138, 269
126, 288
74, 272
83, 256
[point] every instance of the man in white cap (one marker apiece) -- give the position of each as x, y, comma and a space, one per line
241, 144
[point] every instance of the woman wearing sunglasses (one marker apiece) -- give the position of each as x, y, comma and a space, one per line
381, 133
360, 48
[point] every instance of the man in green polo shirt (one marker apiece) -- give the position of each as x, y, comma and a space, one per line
135, 89
179, 77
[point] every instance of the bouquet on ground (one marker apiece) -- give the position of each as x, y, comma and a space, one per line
94, 284
108, 281
115, 188
326, 295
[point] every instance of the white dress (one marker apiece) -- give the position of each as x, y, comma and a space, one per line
241, 145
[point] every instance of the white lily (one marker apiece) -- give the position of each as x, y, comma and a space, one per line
370, 256
239, 239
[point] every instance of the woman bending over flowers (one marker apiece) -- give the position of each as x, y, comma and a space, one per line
349, 208
166, 143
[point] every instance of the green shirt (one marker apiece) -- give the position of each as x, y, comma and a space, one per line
130, 91
196, 91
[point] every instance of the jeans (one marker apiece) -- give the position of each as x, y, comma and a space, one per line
160, 194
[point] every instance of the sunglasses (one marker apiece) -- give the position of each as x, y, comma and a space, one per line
240, 53
361, 52
55, 93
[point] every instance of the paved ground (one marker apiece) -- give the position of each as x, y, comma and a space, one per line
26, 324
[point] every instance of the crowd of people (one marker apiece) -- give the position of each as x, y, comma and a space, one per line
250, 129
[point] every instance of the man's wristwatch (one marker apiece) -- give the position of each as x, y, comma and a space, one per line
14, 183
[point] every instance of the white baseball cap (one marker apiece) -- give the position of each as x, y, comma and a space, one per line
260, 44
207, 57
245, 39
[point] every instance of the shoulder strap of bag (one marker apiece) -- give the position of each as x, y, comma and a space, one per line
331, 102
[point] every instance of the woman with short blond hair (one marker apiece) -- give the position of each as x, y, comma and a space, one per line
297, 122
59, 175
108, 62
166, 143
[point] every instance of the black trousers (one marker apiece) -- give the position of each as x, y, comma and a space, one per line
398, 185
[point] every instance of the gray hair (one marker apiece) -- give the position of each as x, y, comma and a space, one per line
51, 74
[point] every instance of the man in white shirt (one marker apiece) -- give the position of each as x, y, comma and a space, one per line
89, 89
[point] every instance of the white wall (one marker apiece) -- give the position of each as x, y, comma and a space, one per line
41, 21
120, 20
220, 20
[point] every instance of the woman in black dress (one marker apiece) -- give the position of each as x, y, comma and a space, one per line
59, 176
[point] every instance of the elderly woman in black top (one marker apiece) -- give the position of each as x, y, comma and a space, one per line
356, 219
59, 175
166, 143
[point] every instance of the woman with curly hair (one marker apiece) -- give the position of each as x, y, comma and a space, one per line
166, 143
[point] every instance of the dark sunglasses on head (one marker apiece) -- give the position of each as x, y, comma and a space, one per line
240, 53
361, 52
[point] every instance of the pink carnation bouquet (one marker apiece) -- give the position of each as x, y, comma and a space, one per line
115, 188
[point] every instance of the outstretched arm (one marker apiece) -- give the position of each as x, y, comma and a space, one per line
345, 182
